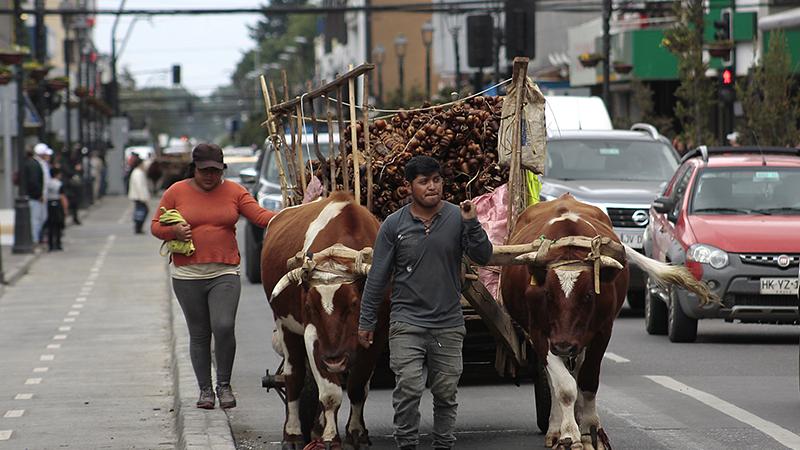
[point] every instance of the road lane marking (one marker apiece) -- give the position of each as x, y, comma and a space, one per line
77, 306
26, 396
74, 313
92, 276
69, 319
89, 283
33, 381
64, 328
80, 299
771, 429
5, 434
94, 269
59, 337
53, 345
12, 413
616, 358
47, 357
40, 369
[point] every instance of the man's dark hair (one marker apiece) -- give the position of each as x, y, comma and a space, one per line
421, 165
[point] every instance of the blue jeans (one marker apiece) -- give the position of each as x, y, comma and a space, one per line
38, 218
410, 347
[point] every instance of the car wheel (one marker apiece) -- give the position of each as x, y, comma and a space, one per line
655, 314
680, 327
252, 257
636, 299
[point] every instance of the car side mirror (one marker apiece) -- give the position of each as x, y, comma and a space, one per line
663, 205
248, 176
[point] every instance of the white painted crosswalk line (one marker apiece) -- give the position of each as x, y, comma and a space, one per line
47, 357
59, 337
5, 434
50, 346
10, 414
64, 328
40, 369
25, 396
69, 319
771, 429
33, 381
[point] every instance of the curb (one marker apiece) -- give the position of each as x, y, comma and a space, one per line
196, 428
18, 271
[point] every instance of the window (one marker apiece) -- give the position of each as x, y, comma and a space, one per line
608, 159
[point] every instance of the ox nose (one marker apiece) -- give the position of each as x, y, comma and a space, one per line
563, 349
336, 364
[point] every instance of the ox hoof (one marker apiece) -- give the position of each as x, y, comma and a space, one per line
292, 445
333, 445
551, 439
357, 440
567, 444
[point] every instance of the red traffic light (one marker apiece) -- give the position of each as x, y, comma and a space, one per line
727, 77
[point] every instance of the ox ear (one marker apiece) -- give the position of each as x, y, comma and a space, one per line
538, 274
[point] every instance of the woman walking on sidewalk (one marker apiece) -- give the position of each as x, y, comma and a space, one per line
207, 283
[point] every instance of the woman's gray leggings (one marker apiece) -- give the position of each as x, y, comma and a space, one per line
209, 306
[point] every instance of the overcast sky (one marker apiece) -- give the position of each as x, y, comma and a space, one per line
207, 47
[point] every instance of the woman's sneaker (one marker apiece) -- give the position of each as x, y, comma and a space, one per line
206, 400
226, 398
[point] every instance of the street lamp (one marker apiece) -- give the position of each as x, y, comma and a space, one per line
23, 239
400, 43
427, 40
379, 55
454, 29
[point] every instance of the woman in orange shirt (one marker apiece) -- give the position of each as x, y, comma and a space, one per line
207, 283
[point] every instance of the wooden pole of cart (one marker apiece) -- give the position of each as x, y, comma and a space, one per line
332, 151
351, 85
367, 149
340, 114
516, 178
317, 152
275, 142
299, 149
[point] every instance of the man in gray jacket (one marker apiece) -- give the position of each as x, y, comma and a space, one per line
419, 250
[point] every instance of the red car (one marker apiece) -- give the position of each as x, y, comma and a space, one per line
731, 215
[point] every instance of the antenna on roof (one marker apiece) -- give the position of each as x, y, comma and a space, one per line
760, 150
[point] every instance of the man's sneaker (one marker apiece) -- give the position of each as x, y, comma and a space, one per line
206, 400
226, 398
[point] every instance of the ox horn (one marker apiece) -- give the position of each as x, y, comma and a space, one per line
294, 275
607, 261
362, 269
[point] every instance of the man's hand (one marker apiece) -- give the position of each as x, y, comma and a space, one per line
468, 211
183, 231
365, 338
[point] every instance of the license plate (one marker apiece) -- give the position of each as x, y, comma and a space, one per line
779, 286
633, 238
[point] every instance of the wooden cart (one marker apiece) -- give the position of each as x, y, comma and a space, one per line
514, 356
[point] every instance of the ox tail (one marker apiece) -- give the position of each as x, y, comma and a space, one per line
664, 274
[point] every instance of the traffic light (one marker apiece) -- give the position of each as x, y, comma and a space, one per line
727, 92
520, 35
722, 27
176, 74
480, 48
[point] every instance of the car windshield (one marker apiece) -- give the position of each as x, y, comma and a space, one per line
269, 170
237, 163
748, 190
607, 159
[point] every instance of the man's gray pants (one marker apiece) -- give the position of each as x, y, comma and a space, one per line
440, 349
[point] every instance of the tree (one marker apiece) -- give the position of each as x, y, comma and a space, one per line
695, 93
771, 110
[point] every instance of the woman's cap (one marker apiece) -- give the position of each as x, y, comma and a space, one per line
207, 155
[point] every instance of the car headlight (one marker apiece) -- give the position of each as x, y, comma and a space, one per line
271, 202
708, 254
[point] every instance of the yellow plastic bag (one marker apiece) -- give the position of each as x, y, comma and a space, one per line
172, 217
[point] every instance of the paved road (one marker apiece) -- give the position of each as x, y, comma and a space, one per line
85, 343
735, 388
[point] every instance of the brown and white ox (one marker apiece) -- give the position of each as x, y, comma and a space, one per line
564, 281
316, 305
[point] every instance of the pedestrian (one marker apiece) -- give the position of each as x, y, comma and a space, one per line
207, 283
139, 192
56, 209
420, 249
34, 188
72, 187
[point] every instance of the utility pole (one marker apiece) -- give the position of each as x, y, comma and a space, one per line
41, 57
607, 54
23, 241
114, 86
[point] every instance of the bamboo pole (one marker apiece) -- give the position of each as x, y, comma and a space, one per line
317, 152
331, 151
299, 149
351, 87
290, 149
367, 149
275, 143
342, 150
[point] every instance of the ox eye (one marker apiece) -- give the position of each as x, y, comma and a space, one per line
588, 297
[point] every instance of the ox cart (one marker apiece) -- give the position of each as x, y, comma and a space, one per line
358, 145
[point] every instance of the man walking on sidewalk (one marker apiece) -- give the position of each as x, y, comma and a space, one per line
420, 249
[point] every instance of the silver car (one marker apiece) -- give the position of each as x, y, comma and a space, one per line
620, 172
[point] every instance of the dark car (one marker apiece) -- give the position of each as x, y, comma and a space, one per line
731, 216
619, 171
